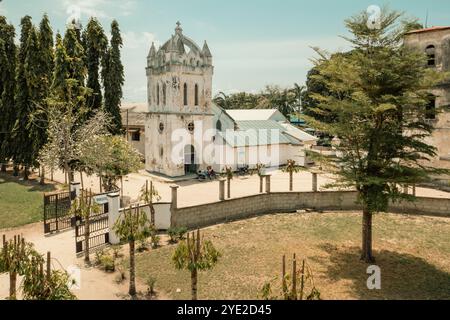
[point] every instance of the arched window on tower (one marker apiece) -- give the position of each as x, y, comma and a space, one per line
431, 55
164, 94
157, 94
196, 94
185, 94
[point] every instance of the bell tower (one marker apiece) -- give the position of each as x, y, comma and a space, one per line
179, 85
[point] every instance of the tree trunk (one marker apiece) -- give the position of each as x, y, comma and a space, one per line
25, 173
229, 188
194, 284
261, 180
3, 167
132, 290
15, 170
12, 285
81, 179
291, 182
366, 255
42, 180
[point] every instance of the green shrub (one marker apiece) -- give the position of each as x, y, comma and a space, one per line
108, 263
176, 234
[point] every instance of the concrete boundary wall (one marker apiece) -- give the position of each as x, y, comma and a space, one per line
280, 202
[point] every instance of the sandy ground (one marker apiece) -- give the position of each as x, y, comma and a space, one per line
194, 192
96, 284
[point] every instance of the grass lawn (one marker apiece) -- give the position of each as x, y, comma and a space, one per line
412, 252
21, 202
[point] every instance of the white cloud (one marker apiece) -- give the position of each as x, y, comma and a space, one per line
83, 9
134, 40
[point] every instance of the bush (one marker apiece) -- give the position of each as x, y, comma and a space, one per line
108, 263
176, 234
151, 286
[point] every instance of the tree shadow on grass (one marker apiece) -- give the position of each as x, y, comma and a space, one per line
32, 184
403, 276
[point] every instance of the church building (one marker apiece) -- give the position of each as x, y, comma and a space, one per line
185, 132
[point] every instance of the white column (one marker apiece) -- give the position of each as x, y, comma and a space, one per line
75, 186
113, 216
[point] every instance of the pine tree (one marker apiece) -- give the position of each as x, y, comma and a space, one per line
7, 87
113, 79
378, 95
96, 44
22, 147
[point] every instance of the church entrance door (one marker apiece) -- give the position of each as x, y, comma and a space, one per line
190, 165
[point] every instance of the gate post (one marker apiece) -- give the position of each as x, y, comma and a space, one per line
173, 204
75, 187
113, 216
222, 189
314, 182
268, 183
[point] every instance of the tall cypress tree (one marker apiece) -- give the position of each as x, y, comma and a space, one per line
75, 56
21, 149
96, 44
113, 79
7, 87
47, 51
60, 88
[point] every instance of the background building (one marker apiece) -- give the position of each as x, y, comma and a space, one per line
435, 42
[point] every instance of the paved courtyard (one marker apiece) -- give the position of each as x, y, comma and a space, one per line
194, 192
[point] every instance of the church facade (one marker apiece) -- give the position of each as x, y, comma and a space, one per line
179, 85
186, 133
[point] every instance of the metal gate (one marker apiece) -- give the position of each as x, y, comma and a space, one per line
57, 215
98, 230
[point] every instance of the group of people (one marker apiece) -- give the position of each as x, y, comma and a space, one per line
209, 173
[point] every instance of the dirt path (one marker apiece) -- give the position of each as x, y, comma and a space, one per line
94, 283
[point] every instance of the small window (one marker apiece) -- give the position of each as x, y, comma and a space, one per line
161, 127
430, 112
431, 55
196, 94
136, 136
185, 94
191, 127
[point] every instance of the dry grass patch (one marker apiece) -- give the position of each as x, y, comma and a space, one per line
412, 252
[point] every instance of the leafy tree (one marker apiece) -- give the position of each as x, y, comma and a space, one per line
118, 158
291, 168
19, 257
132, 226
8, 57
15, 259
378, 94
113, 79
195, 254
148, 194
299, 285
96, 44
66, 133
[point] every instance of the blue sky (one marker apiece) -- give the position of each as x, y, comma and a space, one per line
254, 42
